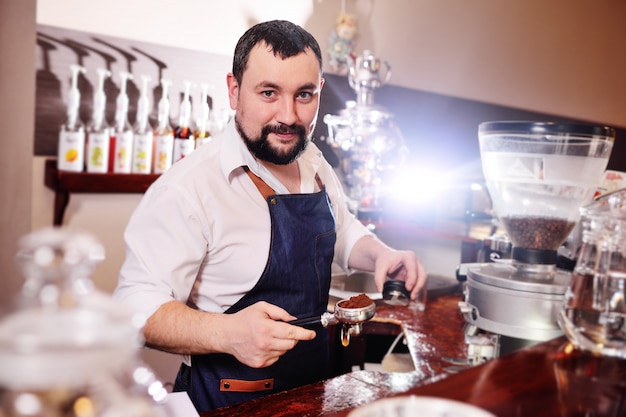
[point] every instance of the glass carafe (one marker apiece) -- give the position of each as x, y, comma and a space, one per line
67, 350
594, 311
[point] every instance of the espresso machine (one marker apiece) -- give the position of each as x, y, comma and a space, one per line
538, 175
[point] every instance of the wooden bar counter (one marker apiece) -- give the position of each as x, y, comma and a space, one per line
548, 379
432, 335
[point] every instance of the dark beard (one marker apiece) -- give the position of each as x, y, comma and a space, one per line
262, 150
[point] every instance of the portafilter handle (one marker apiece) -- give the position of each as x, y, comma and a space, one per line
316, 322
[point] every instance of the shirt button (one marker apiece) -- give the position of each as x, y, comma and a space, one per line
273, 201
267, 385
226, 385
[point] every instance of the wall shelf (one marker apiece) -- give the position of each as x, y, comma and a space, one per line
65, 183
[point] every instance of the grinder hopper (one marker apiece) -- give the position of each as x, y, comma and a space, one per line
538, 176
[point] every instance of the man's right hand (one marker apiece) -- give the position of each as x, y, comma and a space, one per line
257, 335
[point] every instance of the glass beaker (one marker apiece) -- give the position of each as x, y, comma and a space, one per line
594, 310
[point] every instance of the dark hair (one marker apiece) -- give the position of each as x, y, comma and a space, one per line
286, 39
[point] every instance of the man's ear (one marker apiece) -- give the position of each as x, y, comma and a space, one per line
233, 90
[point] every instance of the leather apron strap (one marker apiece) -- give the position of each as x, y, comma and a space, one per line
265, 189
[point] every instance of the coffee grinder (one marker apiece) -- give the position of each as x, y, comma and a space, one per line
538, 175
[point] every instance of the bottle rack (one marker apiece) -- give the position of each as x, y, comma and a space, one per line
65, 183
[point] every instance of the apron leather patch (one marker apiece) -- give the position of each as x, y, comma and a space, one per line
240, 385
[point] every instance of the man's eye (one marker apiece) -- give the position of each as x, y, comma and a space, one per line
267, 93
305, 95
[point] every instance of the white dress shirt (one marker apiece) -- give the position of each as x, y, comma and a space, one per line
201, 233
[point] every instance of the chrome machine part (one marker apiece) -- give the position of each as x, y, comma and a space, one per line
481, 346
351, 320
506, 310
354, 315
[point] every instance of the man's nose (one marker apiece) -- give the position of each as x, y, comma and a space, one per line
286, 113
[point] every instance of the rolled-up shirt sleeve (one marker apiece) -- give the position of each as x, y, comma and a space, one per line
165, 245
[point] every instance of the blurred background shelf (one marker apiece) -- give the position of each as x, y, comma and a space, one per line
65, 183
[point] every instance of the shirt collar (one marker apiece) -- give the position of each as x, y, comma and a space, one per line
235, 154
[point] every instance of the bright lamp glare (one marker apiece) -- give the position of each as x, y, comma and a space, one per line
418, 186
379, 145
476, 186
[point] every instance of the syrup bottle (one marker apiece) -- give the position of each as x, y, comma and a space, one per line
163, 136
184, 142
122, 133
202, 132
143, 134
71, 151
98, 132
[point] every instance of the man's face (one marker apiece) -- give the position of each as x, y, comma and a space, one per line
276, 103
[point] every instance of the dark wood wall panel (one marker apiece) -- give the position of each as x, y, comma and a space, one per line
440, 129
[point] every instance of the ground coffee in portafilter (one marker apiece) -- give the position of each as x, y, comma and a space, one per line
534, 232
357, 301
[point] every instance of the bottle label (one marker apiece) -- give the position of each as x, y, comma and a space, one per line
98, 152
183, 147
164, 149
142, 153
71, 153
123, 152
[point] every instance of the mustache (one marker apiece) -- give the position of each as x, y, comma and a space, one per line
284, 129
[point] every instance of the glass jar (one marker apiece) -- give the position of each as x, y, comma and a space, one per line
594, 311
68, 349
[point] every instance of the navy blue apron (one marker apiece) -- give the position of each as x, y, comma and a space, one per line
296, 278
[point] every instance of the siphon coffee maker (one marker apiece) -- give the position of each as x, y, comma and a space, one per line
538, 175
593, 316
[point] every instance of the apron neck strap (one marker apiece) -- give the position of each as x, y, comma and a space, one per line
265, 189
